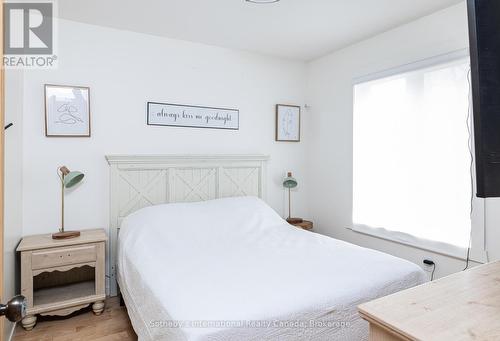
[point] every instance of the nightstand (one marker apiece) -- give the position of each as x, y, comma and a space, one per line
306, 225
59, 277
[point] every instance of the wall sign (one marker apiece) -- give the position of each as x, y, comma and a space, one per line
164, 114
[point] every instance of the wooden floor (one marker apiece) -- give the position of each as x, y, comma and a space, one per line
112, 324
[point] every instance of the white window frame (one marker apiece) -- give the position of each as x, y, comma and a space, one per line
478, 251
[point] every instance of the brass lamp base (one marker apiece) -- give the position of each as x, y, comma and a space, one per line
66, 235
294, 220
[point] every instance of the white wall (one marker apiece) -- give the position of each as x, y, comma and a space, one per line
124, 70
492, 215
13, 184
330, 96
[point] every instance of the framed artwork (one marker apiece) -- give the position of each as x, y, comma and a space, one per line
287, 123
67, 111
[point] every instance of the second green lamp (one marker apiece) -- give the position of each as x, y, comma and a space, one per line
290, 182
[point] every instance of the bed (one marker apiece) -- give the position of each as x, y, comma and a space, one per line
230, 268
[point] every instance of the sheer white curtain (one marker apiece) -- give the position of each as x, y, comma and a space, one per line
411, 155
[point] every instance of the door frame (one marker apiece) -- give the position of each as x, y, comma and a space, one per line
2, 124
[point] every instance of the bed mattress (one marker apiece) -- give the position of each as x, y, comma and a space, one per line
232, 269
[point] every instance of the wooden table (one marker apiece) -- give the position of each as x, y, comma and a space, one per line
463, 306
306, 225
59, 277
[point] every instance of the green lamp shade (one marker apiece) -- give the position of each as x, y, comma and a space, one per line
289, 181
73, 178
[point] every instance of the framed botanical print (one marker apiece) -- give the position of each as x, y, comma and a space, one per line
287, 123
67, 111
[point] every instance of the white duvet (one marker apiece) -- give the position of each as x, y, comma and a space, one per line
232, 269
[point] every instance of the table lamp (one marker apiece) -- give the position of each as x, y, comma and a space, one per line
290, 182
68, 180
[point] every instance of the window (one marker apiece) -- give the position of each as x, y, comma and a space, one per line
412, 164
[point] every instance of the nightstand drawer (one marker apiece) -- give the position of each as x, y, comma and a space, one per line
63, 256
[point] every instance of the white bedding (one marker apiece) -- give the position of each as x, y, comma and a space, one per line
234, 265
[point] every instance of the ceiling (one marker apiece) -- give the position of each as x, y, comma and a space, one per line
294, 29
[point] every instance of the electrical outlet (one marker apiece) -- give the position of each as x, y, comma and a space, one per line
428, 265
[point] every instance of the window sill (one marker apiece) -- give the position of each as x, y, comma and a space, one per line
445, 249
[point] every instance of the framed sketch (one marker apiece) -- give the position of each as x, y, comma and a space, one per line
287, 123
67, 111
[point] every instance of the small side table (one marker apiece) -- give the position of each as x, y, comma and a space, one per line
306, 225
59, 277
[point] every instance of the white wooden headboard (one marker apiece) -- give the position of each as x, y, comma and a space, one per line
138, 181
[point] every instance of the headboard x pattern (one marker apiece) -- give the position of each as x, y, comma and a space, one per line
137, 181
